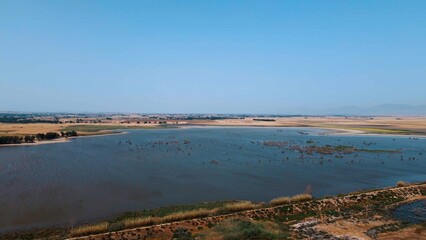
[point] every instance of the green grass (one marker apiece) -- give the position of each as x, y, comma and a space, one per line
300, 216
356, 207
342, 148
92, 128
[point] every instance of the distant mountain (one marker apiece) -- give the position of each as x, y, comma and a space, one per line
382, 110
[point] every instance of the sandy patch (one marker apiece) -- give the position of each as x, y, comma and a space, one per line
343, 228
414, 232
59, 140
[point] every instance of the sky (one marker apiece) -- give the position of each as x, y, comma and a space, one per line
210, 56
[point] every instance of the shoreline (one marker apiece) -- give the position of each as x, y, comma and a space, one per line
336, 131
403, 195
60, 140
351, 132
408, 194
333, 132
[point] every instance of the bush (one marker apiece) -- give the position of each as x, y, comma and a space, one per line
401, 184
182, 234
29, 138
10, 140
243, 229
51, 135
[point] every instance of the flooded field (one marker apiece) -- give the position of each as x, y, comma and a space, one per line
93, 178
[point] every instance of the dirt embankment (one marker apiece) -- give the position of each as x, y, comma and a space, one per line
356, 216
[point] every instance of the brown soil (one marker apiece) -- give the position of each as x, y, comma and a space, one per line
414, 232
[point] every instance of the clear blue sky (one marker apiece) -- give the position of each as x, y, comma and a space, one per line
210, 56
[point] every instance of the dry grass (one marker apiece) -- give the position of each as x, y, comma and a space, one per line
89, 229
19, 129
385, 125
280, 201
401, 184
382, 124
199, 213
238, 206
173, 217
179, 216
287, 200
140, 222
301, 197
185, 215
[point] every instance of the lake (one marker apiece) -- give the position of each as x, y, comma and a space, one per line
94, 178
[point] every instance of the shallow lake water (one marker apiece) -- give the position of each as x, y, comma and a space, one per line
93, 178
414, 212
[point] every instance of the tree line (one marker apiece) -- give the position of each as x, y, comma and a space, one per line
25, 120
38, 136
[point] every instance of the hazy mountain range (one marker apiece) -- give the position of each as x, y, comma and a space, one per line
378, 110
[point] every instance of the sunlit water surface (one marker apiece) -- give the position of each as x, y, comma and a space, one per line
93, 178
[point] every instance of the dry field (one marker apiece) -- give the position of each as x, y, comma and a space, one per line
377, 125
7, 129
